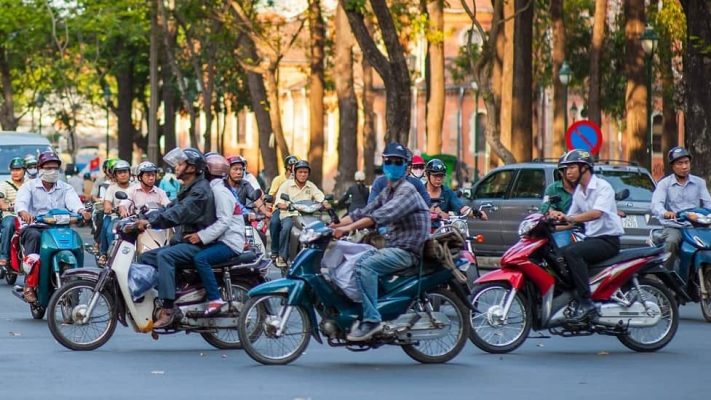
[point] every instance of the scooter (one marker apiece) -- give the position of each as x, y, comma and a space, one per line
533, 290
423, 309
83, 314
467, 261
308, 212
61, 250
694, 262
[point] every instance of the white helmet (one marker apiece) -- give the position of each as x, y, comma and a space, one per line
359, 176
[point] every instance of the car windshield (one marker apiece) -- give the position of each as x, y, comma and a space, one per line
640, 185
8, 152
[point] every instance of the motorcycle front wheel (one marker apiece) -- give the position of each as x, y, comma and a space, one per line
259, 330
706, 301
67, 308
492, 332
228, 338
10, 278
655, 337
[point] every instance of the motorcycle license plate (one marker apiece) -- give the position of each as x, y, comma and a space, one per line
630, 222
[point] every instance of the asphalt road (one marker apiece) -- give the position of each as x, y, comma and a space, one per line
130, 365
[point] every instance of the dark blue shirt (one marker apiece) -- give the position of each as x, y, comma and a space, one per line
382, 182
449, 202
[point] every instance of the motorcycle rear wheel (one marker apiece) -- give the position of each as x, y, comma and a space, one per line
635, 339
10, 278
706, 302
488, 331
258, 325
228, 339
427, 351
66, 307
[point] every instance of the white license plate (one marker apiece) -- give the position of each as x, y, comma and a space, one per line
630, 222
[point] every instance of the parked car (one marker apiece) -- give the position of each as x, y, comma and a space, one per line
14, 144
511, 192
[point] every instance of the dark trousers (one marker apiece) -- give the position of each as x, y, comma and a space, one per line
274, 229
166, 259
284, 237
8, 229
205, 259
30, 239
590, 251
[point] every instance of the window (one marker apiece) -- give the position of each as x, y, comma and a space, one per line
640, 185
495, 186
530, 184
8, 152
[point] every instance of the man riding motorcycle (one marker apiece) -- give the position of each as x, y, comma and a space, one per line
192, 211
9, 189
594, 205
406, 216
121, 172
145, 192
357, 194
298, 189
37, 197
678, 191
239, 187
275, 221
563, 190
436, 170
381, 183
31, 166
170, 184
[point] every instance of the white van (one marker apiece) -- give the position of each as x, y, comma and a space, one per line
15, 144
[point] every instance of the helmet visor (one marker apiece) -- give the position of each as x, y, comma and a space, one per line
175, 157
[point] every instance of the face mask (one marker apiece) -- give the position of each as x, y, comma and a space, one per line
418, 173
32, 171
49, 175
393, 172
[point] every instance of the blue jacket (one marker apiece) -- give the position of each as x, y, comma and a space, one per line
449, 202
382, 182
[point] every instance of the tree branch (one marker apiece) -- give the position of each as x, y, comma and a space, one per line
367, 45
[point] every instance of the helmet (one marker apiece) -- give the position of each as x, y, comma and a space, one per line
217, 165
146, 166
576, 156
677, 153
17, 162
110, 165
210, 153
30, 161
436, 166
418, 160
195, 158
359, 176
302, 164
121, 165
289, 161
87, 175
560, 162
48, 156
237, 160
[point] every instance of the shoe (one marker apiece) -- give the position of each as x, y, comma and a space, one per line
365, 331
586, 309
281, 262
213, 307
165, 319
29, 294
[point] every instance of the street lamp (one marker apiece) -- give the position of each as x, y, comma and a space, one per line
40, 103
475, 88
107, 101
649, 41
565, 75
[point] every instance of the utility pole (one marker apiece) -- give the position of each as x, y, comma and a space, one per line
153, 106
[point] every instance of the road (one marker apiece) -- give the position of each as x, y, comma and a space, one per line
130, 365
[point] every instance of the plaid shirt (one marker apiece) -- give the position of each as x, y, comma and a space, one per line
402, 210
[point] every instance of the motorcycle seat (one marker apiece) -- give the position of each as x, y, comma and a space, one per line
627, 255
247, 257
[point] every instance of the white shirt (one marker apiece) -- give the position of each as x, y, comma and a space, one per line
36, 200
229, 227
599, 196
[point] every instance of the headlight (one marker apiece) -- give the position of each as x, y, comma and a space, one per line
309, 235
308, 209
62, 219
703, 219
527, 226
461, 226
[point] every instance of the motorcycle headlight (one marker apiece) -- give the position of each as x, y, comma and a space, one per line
62, 219
309, 235
307, 209
526, 226
461, 226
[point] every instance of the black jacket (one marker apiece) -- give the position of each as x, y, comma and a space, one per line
356, 197
191, 211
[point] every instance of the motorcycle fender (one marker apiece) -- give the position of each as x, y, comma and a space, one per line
701, 258
515, 278
296, 296
64, 257
671, 279
87, 274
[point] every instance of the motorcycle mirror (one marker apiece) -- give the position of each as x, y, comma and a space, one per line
256, 195
284, 197
328, 197
269, 198
2, 195
459, 193
121, 195
622, 194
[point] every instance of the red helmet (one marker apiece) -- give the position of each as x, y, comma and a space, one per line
418, 160
48, 156
237, 160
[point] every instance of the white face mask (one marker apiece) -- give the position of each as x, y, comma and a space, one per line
49, 175
32, 171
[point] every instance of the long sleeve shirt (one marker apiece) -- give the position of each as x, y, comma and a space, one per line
229, 226
10, 189
36, 200
308, 192
670, 195
382, 182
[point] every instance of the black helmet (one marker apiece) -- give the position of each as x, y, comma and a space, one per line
17, 163
290, 160
302, 164
677, 153
560, 161
195, 158
576, 156
435, 166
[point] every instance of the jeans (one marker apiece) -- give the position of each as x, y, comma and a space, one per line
166, 259
107, 234
590, 251
370, 266
274, 229
205, 259
30, 238
672, 240
284, 235
8, 229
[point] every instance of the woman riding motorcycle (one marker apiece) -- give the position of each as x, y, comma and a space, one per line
448, 202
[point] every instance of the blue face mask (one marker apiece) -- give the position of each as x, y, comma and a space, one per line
393, 172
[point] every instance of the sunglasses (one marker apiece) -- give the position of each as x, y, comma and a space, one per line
394, 161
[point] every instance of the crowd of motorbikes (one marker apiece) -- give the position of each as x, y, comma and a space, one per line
430, 310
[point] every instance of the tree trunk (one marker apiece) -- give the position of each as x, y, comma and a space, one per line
124, 79
636, 92
169, 109
272, 87
369, 134
208, 101
522, 100
316, 91
670, 132
697, 69
347, 103
7, 111
507, 73
559, 106
436, 79
598, 39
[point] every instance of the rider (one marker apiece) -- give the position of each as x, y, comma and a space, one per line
594, 205
31, 166
406, 216
436, 170
562, 189
170, 184
145, 192
381, 183
249, 177
38, 197
417, 168
275, 222
122, 175
239, 187
676, 192
225, 238
193, 210
357, 195
9, 189
298, 189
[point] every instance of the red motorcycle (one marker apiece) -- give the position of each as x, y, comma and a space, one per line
533, 289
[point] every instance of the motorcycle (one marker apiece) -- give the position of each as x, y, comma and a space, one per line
84, 313
308, 212
694, 262
424, 309
467, 261
533, 290
61, 250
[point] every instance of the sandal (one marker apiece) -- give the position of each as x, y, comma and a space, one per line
3, 262
101, 260
213, 307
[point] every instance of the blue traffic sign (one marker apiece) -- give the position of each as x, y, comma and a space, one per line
584, 135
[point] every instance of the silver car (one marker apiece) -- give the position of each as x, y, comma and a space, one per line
512, 192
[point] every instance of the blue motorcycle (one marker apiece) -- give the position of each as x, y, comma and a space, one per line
694, 262
424, 310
